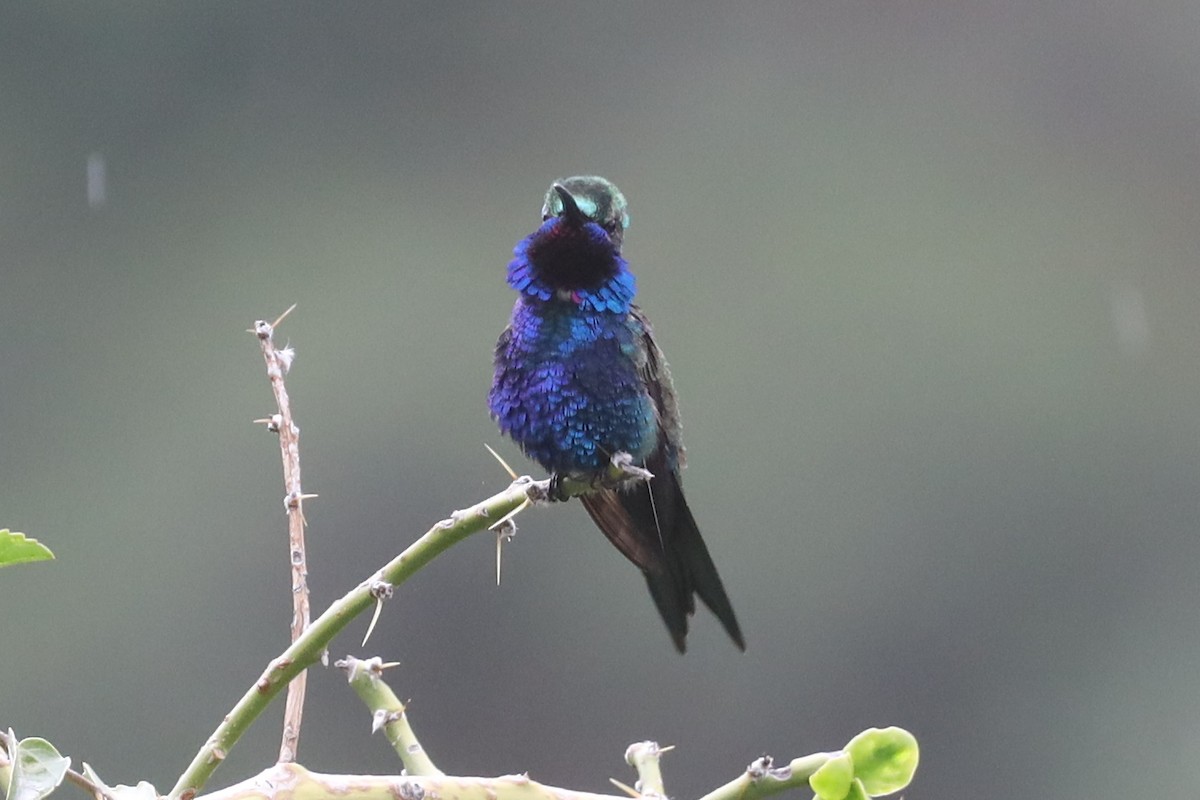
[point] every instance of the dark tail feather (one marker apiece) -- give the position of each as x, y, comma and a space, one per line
674, 603
700, 571
654, 528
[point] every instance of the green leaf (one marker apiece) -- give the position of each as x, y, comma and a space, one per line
885, 759
832, 779
15, 548
37, 768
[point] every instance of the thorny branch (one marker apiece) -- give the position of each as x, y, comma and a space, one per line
278, 364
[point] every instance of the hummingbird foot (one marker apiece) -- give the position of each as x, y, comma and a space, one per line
557, 493
622, 469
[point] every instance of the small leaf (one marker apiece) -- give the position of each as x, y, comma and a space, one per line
15, 548
832, 779
885, 759
37, 768
857, 792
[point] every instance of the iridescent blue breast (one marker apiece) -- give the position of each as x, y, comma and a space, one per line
569, 386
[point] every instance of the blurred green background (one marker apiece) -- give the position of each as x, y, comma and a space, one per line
926, 274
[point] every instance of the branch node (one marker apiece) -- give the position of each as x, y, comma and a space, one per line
644, 757
410, 790
383, 717
273, 422
760, 767
382, 590
294, 501
538, 492
349, 665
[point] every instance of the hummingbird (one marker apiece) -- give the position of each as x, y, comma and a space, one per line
579, 381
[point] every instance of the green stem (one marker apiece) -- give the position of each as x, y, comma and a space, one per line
307, 649
366, 678
297, 783
759, 780
762, 779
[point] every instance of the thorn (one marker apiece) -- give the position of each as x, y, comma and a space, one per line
627, 789
381, 591
507, 519
504, 533
374, 619
374, 665
273, 422
511, 473
281, 317
296, 500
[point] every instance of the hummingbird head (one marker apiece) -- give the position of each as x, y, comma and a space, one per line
589, 198
575, 256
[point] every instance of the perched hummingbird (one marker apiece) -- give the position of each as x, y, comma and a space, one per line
579, 380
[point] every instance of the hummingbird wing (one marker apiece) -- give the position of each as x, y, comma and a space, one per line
650, 522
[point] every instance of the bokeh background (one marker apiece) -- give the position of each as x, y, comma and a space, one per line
927, 274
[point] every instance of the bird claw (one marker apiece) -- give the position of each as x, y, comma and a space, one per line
625, 469
562, 487
557, 492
